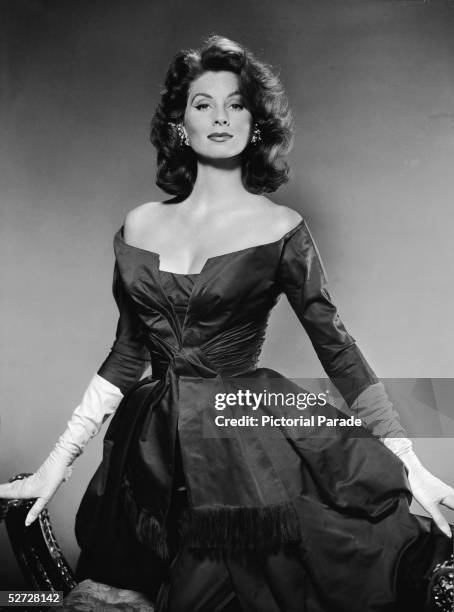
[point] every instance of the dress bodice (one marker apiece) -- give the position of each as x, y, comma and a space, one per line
221, 327
178, 288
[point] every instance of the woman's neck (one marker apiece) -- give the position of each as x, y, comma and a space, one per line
218, 184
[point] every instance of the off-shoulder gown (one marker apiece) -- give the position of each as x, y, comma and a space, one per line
202, 521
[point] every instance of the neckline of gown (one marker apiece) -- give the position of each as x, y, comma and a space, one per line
186, 274
198, 276
120, 236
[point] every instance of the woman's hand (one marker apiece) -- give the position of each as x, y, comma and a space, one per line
41, 485
429, 490
101, 399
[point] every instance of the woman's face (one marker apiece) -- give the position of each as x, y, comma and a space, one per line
215, 106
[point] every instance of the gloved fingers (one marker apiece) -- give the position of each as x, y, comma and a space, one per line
34, 486
433, 510
19, 489
7, 490
43, 493
36, 510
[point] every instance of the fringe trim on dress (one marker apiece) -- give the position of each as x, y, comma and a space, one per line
229, 528
147, 529
235, 528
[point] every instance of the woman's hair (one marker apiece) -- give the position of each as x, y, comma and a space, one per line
263, 166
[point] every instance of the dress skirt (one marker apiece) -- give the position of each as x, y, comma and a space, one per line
353, 558
278, 581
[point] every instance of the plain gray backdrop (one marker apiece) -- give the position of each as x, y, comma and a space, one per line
371, 85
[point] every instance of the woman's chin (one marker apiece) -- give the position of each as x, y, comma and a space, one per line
221, 159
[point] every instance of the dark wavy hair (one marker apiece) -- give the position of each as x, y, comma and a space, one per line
263, 166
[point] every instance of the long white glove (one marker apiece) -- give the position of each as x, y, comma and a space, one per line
379, 415
100, 400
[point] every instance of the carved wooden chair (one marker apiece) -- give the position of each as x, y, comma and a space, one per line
45, 568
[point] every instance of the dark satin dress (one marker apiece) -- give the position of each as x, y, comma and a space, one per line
201, 522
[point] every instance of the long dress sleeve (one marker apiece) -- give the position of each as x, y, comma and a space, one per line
128, 357
303, 279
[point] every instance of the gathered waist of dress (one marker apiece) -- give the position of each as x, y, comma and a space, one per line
234, 351
183, 368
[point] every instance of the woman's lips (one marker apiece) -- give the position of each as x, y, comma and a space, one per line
220, 137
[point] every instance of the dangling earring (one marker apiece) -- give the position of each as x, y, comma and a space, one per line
182, 136
256, 134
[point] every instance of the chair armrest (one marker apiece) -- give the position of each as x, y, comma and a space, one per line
38, 554
45, 568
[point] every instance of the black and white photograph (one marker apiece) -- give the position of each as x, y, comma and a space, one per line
227, 246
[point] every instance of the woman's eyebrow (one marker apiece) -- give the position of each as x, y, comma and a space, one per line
208, 95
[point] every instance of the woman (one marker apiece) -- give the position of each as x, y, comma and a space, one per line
237, 520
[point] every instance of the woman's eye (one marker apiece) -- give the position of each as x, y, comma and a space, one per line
235, 105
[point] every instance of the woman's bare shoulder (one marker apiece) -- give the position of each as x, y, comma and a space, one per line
138, 219
282, 217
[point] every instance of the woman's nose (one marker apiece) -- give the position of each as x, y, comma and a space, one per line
221, 119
